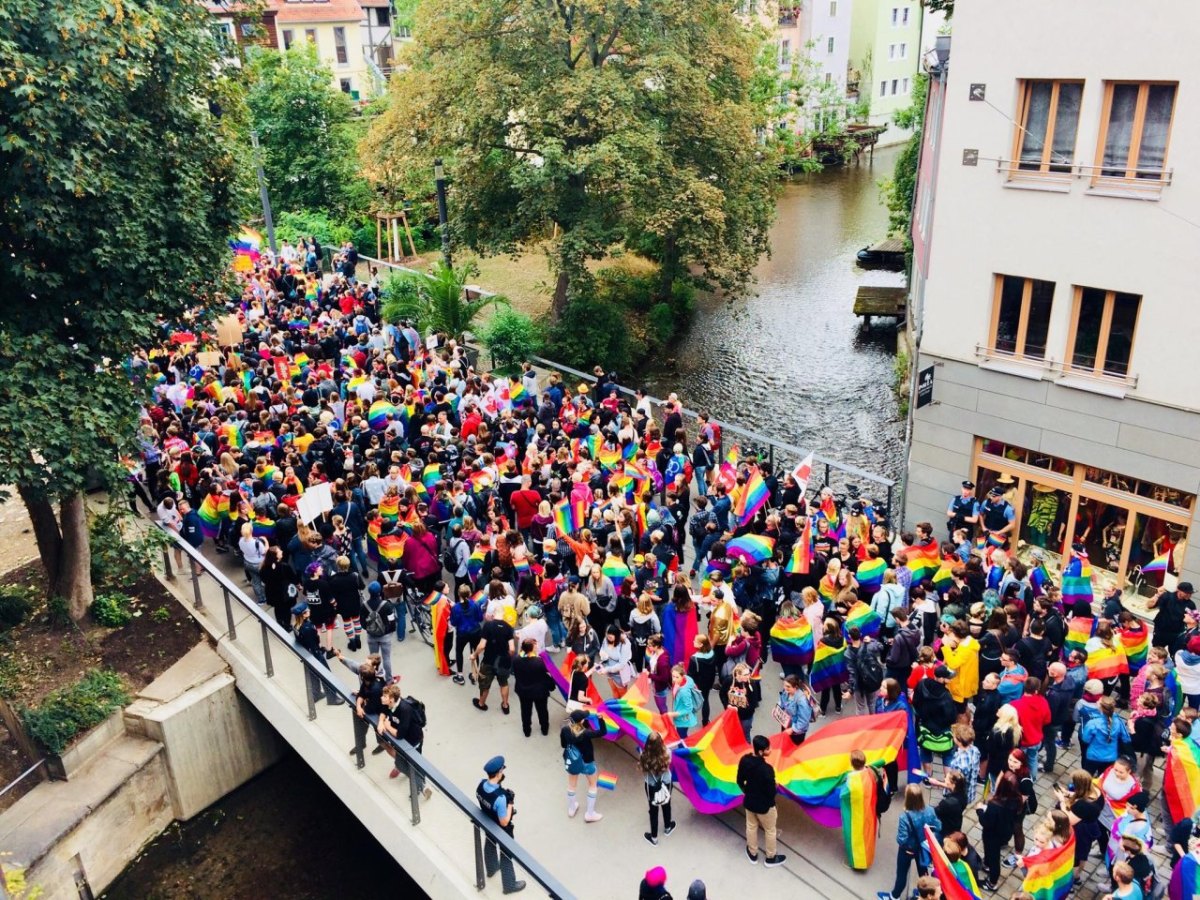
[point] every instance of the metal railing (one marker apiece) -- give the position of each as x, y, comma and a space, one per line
319, 681
1139, 181
32, 770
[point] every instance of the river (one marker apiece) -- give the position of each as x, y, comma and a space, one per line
791, 360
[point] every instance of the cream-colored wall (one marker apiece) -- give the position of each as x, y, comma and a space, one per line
355, 68
872, 30
983, 227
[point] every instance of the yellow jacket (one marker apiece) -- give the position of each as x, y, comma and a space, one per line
964, 660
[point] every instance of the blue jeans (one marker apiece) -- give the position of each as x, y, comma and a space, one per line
701, 484
558, 632
904, 861
401, 621
358, 555
1031, 757
383, 647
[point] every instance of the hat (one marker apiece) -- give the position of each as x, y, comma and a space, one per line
697, 891
996, 491
1140, 800
1005, 478
573, 579
493, 765
1043, 488
583, 389
1185, 587
375, 588
300, 608
579, 715
1193, 644
639, 558
968, 484
943, 672
656, 877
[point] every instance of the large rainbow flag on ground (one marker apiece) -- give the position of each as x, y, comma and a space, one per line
1181, 784
923, 560
1048, 873
829, 667
957, 880
1077, 580
634, 714
858, 796
705, 765
791, 642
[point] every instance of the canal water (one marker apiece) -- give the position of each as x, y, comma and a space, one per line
791, 361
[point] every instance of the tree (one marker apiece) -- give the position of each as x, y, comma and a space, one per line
557, 115
119, 194
306, 133
901, 188
437, 301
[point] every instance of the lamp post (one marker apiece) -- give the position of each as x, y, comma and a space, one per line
262, 192
439, 180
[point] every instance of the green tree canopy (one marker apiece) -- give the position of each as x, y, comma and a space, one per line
605, 119
117, 191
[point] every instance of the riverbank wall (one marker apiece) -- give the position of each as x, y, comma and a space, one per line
187, 740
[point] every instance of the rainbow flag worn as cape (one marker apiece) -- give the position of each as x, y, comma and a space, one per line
1181, 785
1077, 580
829, 667
792, 642
390, 547
1039, 578
389, 507
233, 436
752, 497
859, 794
705, 765
750, 548
957, 881
869, 575
860, 615
1049, 872
924, 560
800, 560
1079, 631
679, 631
440, 617
212, 510
431, 475
377, 417
1185, 879
1118, 805
829, 512
263, 526
943, 578
475, 562
1106, 662
614, 567
1136, 641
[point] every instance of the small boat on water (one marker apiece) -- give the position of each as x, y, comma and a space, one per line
888, 254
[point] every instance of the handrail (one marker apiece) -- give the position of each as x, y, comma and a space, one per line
410, 755
12, 784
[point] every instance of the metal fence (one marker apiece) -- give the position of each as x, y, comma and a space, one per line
280, 651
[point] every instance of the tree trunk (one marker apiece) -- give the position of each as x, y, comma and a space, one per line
559, 304
75, 583
668, 268
48, 537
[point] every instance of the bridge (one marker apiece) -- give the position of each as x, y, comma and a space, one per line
439, 841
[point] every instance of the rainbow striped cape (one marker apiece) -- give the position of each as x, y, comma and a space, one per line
829, 667
1136, 641
1048, 873
1077, 581
859, 794
1106, 662
869, 574
862, 617
923, 560
792, 642
1181, 785
1079, 631
440, 616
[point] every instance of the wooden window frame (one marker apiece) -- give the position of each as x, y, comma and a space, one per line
1023, 120
1110, 302
1135, 135
341, 48
1018, 352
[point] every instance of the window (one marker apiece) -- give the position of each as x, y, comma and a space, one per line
310, 35
1102, 329
883, 89
832, 8
383, 16
1049, 117
223, 37
904, 18
247, 29
904, 85
895, 84
891, 51
339, 45
785, 52
1134, 127
345, 85
1021, 316
288, 37
403, 31
829, 46
895, 16
903, 54
829, 78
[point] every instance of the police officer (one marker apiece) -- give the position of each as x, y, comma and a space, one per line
997, 516
963, 511
497, 804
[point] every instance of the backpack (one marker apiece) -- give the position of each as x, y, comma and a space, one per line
640, 632
697, 698
392, 588
660, 792
449, 558
698, 527
419, 719
376, 621
870, 671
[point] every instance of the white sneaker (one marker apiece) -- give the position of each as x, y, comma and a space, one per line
572, 808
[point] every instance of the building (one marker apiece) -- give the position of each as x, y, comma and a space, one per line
236, 26
1053, 279
825, 33
377, 38
335, 26
885, 47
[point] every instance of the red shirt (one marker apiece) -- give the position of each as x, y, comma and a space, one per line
1033, 713
525, 504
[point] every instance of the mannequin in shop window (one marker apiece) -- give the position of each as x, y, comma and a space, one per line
1113, 536
1043, 511
1084, 521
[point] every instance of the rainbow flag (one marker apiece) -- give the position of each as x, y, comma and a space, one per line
1158, 564
1181, 785
1077, 580
943, 578
859, 824
1136, 642
614, 567
562, 676
479, 481
829, 667
440, 619
752, 497
1039, 578
812, 773
628, 451
606, 780
869, 574
634, 714
705, 765
608, 457
431, 475
521, 568
263, 526
516, 392
958, 881
569, 516
1185, 879
924, 560
1049, 872
377, 417
390, 547
679, 633
213, 390
830, 513
475, 562
864, 618
1106, 662
300, 324
791, 642
750, 548
212, 510
389, 507
1079, 631
800, 560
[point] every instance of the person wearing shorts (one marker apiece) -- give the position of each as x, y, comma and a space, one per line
494, 654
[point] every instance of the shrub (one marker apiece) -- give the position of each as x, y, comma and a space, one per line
120, 555
291, 226
625, 288
58, 612
71, 710
13, 610
162, 614
511, 336
111, 610
590, 332
662, 323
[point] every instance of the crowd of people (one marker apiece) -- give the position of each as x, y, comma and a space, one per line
567, 518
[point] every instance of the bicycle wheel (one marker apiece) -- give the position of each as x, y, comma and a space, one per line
422, 618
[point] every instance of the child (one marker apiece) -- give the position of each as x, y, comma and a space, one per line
923, 667
1124, 887
965, 759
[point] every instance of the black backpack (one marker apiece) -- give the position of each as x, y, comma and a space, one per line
419, 718
376, 623
449, 560
870, 670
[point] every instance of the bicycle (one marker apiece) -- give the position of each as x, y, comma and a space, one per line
420, 616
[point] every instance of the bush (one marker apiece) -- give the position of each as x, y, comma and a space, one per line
662, 323
291, 226
13, 610
120, 556
111, 610
72, 710
620, 286
589, 333
511, 336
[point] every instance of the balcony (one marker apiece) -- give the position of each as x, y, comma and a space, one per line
1145, 184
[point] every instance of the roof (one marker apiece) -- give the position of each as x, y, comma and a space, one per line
305, 11
235, 8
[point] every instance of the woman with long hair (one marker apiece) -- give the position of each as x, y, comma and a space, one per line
1018, 765
1103, 736
702, 669
998, 816
655, 766
615, 660
1083, 803
1004, 738
910, 839
579, 758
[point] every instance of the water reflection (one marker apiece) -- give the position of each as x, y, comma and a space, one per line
792, 360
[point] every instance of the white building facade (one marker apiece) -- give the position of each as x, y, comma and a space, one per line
1055, 238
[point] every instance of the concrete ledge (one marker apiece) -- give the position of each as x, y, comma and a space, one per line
64, 766
197, 666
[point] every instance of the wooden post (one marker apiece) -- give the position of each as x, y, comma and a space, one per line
13, 723
378, 237
407, 230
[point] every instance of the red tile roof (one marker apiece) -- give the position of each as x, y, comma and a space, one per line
304, 11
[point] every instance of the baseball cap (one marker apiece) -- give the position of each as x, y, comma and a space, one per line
300, 608
493, 765
1185, 587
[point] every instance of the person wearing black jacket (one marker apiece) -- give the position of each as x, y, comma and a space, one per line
1034, 649
368, 700
306, 636
579, 756
400, 721
903, 652
533, 685
756, 779
936, 712
279, 583
1060, 697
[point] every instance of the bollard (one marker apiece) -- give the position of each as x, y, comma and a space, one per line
358, 751
413, 794
167, 569
267, 650
311, 686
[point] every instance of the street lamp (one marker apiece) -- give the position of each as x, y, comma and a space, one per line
439, 180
